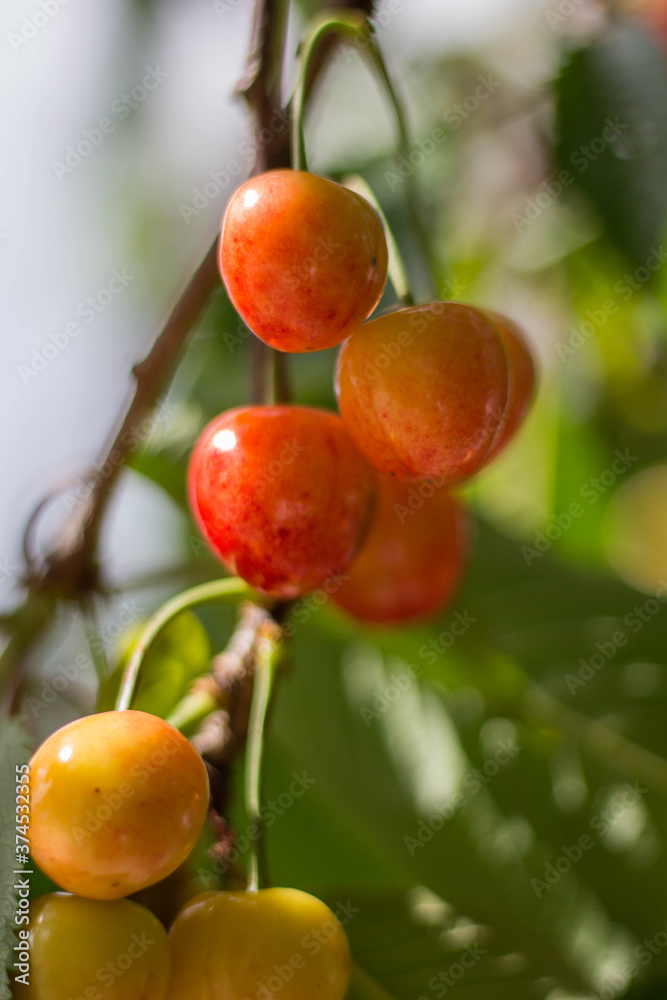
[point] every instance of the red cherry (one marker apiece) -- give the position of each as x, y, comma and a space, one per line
303, 259
654, 15
281, 494
521, 383
412, 559
423, 390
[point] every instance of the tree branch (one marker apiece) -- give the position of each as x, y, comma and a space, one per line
72, 567
71, 570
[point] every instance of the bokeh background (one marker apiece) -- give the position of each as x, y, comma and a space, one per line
539, 171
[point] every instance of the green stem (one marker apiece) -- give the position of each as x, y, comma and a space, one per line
190, 712
228, 590
396, 104
268, 656
351, 26
364, 985
397, 271
346, 25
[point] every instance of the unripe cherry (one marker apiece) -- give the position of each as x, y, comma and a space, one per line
275, 942
118, 801
103, 950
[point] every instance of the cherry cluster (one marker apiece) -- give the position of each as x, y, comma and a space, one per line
118, 801
290, 497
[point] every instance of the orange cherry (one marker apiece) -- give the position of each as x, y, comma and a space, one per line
521, 383
423, 390
304, 259
118, 801
412, 559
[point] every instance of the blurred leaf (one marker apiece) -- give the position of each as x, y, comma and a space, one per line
619, 79
413, 945
160, 469
383, 763
656, 990
375, 786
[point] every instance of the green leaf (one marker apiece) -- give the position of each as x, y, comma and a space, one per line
413, 945
619, 79
374, 786
164, 470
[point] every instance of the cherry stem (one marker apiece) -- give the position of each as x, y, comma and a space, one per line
269, 649
272, 381
193, 709
230, 590
227, 674
281, 392
353, 27
397, 271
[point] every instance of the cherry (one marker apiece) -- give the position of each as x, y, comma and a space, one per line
281, 494
423, 390
304, 260
412, 558
521, 382
116, 950
654, 15
118, 801
258, 944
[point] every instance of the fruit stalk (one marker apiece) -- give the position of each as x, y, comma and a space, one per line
229, 590
269, 650
396, 270
352, 26
71, 569
218, 692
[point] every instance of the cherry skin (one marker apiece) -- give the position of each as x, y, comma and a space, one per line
258, 944
521, 382
282, 495
412, 558
423, 390
112, 950
654, 15
118, 801
303, 259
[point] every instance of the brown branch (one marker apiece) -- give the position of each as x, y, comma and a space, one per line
222, 733
71, 569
